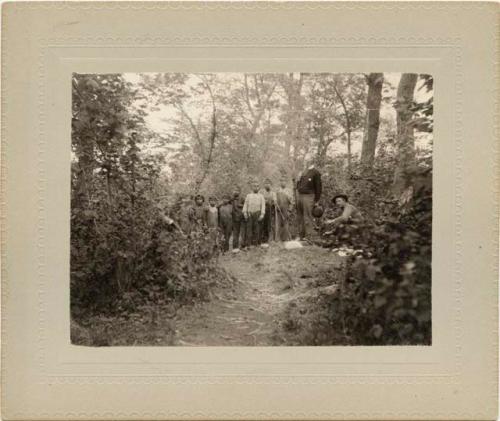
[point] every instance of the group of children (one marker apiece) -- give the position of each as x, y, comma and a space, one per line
250, 221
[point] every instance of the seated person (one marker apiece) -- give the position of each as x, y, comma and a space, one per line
346, 226
350, 213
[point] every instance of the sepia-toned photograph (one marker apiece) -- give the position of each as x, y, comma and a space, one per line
251, 209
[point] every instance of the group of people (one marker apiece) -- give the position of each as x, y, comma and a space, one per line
254, 220
263, 214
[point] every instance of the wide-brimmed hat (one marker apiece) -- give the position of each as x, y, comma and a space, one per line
342, 196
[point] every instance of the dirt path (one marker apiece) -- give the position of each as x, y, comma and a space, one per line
265, 280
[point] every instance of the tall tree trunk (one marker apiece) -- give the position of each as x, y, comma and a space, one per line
405, 142
375, 81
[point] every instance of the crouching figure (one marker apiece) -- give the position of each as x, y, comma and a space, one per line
348, 226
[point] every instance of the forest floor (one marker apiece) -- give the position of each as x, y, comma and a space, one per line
249, 309
252, 311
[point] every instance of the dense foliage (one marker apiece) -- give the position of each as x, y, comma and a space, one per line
121, 242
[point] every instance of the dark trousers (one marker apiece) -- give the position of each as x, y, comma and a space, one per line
253, 229
239, 229
267, 224
305, 203
226, 228
351, 233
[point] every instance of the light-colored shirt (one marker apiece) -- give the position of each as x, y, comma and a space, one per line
254, 202
350, 213
212, 217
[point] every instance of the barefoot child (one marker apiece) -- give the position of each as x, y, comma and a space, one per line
212, 221
212, 213
226, 220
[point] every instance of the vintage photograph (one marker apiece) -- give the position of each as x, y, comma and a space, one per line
251, 209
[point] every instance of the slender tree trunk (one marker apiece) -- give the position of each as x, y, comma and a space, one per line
349, 154
257, 113
405, 142
293, 89
375, 81
347, 127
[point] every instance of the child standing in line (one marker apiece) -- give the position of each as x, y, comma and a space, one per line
212, 221
284, 203
198, 214
254, 210
212, 213
226, 220
268, 223
239, 225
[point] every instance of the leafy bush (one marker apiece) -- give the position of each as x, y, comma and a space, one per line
121, 244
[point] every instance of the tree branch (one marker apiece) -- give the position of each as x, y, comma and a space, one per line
193, 127
247, 97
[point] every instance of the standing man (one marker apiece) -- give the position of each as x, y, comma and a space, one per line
239, 225
309, 189
267, 223
254, 210
283, 204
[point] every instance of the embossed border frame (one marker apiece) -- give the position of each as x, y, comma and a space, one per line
55, 50
180, 380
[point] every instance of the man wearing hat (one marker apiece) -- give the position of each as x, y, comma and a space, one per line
350, 214
347, 227
309, 190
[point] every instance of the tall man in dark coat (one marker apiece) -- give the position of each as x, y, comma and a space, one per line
309, 189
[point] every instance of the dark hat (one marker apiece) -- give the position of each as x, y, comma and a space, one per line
199, 196
317, 211
342, 196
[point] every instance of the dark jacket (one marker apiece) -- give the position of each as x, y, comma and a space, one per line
238, 203
226, 214
199, 215
310, 183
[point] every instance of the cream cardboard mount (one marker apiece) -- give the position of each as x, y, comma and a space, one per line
44, 376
